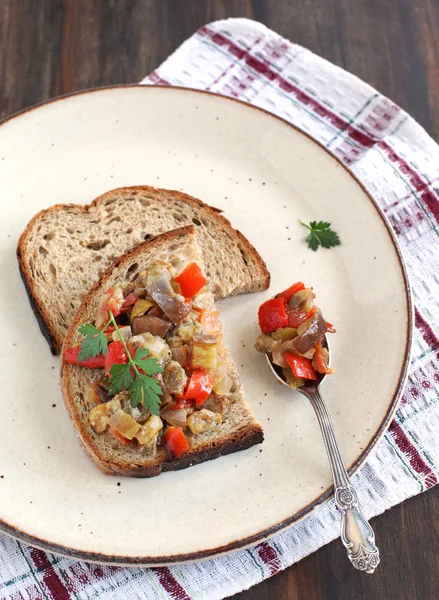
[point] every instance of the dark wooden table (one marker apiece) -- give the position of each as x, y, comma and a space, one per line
51, 47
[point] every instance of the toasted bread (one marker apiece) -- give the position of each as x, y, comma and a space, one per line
65, 249
239, 428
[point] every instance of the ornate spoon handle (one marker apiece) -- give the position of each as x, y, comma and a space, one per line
356, 533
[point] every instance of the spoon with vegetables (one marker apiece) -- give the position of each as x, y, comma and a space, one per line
294, 340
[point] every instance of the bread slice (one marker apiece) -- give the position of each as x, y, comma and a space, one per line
239, 429
65, 249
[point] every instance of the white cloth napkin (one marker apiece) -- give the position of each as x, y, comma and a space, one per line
399, 163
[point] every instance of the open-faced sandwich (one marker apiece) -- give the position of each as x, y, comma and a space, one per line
65, 249
146, 378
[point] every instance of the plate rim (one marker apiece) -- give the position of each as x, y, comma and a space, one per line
265, 534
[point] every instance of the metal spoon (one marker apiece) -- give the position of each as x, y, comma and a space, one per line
356, 533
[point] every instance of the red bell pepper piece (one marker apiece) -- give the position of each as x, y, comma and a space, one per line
191, 280
130, 300
296, 287
199, 387
109, 332
175, 441
116, 355
320, 361
312, 312
300, 366
330, 327
272, 315
119, 437
71, 355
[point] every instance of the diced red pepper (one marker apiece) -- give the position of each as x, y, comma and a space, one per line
191, 280
300, 366
330, 327
109, 332
116, 355
272, 315
296, 317
130, 300
71, 355
296, 287
320, 361
119, 437
312, 312
199, 387
175, 441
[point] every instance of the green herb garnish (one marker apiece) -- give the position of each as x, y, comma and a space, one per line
321, 234
141, 387
94, 342
133, 376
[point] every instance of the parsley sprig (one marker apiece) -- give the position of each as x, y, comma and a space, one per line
135, 376
321, 234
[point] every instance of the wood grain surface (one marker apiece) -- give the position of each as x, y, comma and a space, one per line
52, 47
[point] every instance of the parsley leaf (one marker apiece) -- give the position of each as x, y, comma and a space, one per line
94, 342
321, 234
145, 390
135, 376
149, 365
120, 378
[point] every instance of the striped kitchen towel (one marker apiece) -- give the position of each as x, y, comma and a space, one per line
399, 163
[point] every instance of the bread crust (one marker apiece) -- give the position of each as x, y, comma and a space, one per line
40, 311
239, 439
47, 326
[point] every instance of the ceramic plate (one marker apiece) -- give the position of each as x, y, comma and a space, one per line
266, 175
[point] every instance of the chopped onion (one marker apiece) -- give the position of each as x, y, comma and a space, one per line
222, 386
156, 346
121, 422
302, 297
206, 339
125, 331
172, 304
310, 333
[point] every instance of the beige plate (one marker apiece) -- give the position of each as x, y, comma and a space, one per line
266, 175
